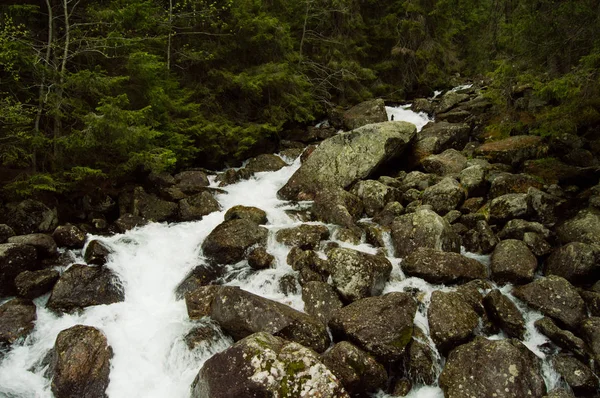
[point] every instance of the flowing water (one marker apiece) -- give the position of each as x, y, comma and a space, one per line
147, 329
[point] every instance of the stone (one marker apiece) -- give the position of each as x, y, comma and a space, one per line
417, 180
554, 171
5, 232
576, 262
516, 229
17, 318
590, 331
449, 100
446, 135
81, 363
241, 313
562, 338
230, 240
577, 375
14, 259
480, 239
592, 301
381, 325
128, 222
29, 217
253, 214
349, 157
197, 206
32, 284
537, 244
367, 112
505, 183
444, 196
259, 258
513, 262
472, 205
358, 371
423, 228
69, 236
161, 180
374, 195
584, 227
44, 245
507, 207
452, 321
151, 207
265, 162
82, 286
96, 253
386, 217
201, 275
492, 368
336, 206
201, 336
545, 207
299, 259
442, 267
554, 297
448, 163
347, 235
504, 313
422, 360
513, 150
472, 179
191, 182
320, 300
356, 275
262, 365
305, 236
452, 216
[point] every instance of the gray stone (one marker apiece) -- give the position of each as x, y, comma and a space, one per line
509, 206
265, 162
448, 163
576, 262
444, 196
505, 183
320, 300
191, 182
128, 222
422, 360
562, 338
545, 207
5, 232
30, 216
578, 376
480, 239
305, 236
442, 267
17, 318
367, 112
14, 259
336, 206
590, 331
516, 229
473, 180
69, 236
197, 206
44, 245
513, 262
584, 227
503, 312
449, 100
253, 214
230, 240
31, 284
452, 321
374, 195
96, 253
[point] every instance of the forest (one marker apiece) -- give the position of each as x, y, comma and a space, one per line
98, 90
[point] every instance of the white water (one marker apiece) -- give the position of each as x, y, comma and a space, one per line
404, 113
146, 330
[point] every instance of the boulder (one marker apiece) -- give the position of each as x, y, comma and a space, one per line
191, 182
590, 331
504, 313
300, 259
452, 321
262, 365
336, 206
96, 253
492, 368
562, 338
422, 366
367, 112
14, 259
128, 222
417, 180
513, 262
537, 244
584, 227
69, 236
5, 232
545, 208
380, 325
555, 297
201, 275
358, 371
305, 236
473, 181
449, 100
44, 245
241, 314
348, 157
513, 150
444, 196
31, 284
577, 375
423, 228
253, 214
197, 206
230, 240
480, 239
374, 195
446, 135
259, 258
448, 163
442, 267
509, 206
201, 336
265, 162
517, 228
388, 214
151, 207
81, 363
82, 286
553, 171
579, 263
356, 275
505, 183
29, 217
320, 300
592, 301
17, 317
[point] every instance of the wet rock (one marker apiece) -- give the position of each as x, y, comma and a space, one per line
555, 297
44, 245
5, 232
509, 206
81, 363
375, 235
590, 331
299, 259
336, 206
444, 196
402, 387
305, 236
82, 286
513, 150
423, 228
161, 180
506, 183
230, 240
442, 267
516, 229
473, 180
449, 163
191, 182
14, 259
422, 360
240, 313
151, 207
492, 368
374, 195
367, 112
576, 262
578, 376
96, 253
320, 300
202, 275
452, 320
31, 284
69, 236
265, 162
584, 227
358, 371
537, 244
200, 336
347, 235
262, 365
513, 262
412, 195
29, 217
505, 314
356, 275
259, 258
380, 325
480, 239
348, 157
253, 214
559, 393
197, 206
17, 318
228, 177
128, 222
562, 338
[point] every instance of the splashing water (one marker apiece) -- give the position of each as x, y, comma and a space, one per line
404, 113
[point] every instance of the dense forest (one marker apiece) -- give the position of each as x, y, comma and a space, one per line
95, 90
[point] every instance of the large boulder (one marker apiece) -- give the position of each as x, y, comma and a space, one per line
555, 297
509, 206
44, 244
513, 262
191, 182
504, 313
96, 253
442, 267
253, 214
584, 227
590, 331
69, 236
505, 183
197, 206
562, 338
492, 368
576, 374
450, 162
5, 232
230, 240
81, 363
305, 236
473, 180
576, 262
31, 284
449, 100
452, 320
265, 162
29, 217
17, 318
82, 286
374, 195
320, 300
382, 325
151, 207
356, 275
348, 157
262, 365
201, 275
423, 228
367, 112
444, 196
241, 314
422, 362
14, 259
336, 206
513, 150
